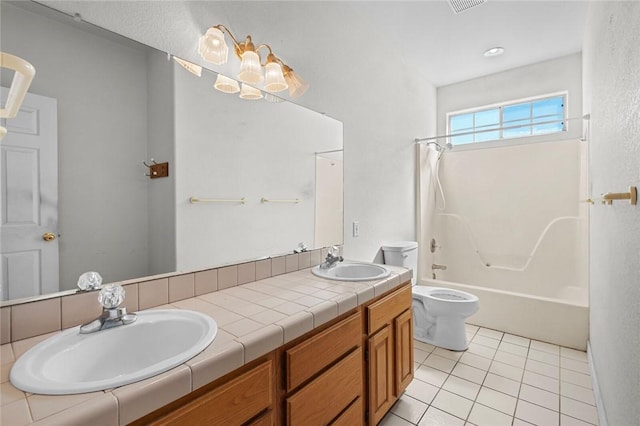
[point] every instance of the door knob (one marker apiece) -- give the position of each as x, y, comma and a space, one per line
48, 236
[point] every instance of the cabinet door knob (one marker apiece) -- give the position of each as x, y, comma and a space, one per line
48, 236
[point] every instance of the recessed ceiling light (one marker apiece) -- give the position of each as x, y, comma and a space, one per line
494, 51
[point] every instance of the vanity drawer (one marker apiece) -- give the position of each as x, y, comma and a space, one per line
327, 396
234, 402
311, 356
351, 416
386, 309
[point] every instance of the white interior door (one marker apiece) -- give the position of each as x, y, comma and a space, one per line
29, 211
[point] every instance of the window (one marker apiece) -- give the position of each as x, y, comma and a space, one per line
512, 120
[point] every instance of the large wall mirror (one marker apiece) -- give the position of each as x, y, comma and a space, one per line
268, 175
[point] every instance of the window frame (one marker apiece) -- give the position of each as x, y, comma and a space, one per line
514, 140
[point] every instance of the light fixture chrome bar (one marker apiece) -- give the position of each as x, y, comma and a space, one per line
496, 129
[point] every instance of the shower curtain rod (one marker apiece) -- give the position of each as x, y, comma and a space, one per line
420, 140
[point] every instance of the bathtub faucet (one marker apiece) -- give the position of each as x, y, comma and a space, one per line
436, 266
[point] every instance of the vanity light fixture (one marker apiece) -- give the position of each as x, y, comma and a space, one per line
250, 92
494, 51
22, 77
226, 84
276, 76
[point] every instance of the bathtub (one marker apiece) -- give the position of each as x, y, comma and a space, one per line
562, 319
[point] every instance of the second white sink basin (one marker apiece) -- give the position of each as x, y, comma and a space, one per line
352, 271
70, 362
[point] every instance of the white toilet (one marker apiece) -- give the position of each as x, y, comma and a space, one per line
438, 313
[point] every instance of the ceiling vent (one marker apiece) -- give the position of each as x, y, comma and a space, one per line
460, 6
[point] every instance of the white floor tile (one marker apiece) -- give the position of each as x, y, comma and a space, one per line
511, 359
570, 421
574, 365
490, 333
546, 357
422, 391
430, 375
578, 393
575, 378
516, 340
579, 410
542, 368
573, 354
502, 384
485, 416
392, 420
541, 397
475, 361
518, 422
471, 328
486, 341
462, 387
467, 372
423, 346
409, 409
446, 353
452, 404
537, 415
419, 355
543, 382
439, 363
483, 351
435, 417
513, 348
545, 347
505, 370
497, 400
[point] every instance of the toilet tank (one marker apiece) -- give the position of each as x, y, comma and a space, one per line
402, 253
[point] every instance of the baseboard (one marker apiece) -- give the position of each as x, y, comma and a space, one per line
602, 416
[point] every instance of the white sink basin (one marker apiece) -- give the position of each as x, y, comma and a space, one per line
348, 271
70, 362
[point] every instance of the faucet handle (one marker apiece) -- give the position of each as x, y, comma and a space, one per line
334, 251
111, 296
89, 281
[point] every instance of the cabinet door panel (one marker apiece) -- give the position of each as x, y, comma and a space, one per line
381, 397
403, 336
352, 416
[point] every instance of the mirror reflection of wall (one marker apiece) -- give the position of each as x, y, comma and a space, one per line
120, 103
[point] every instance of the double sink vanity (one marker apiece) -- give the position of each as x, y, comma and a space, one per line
314, 346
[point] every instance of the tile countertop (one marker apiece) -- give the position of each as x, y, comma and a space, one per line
253, 319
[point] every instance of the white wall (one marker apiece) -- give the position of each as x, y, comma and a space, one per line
543, 78
99, 164
383, 102
612, 96
230, 148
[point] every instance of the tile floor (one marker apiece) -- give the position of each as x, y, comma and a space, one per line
501, 379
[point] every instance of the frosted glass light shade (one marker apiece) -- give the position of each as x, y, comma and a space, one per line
226, 84
297, 86
250, 93
250, 69
213, 48
274, 79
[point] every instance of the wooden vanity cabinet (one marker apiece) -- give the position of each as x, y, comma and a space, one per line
244, 399
323, 376
389, 356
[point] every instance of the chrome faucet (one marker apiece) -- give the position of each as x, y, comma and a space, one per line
110, 297
436, 266
332, 258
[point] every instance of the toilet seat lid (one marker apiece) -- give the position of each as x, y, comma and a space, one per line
445, 294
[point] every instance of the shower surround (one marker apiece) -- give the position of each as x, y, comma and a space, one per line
510, 228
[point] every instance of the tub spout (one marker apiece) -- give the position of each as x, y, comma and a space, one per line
436, 266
